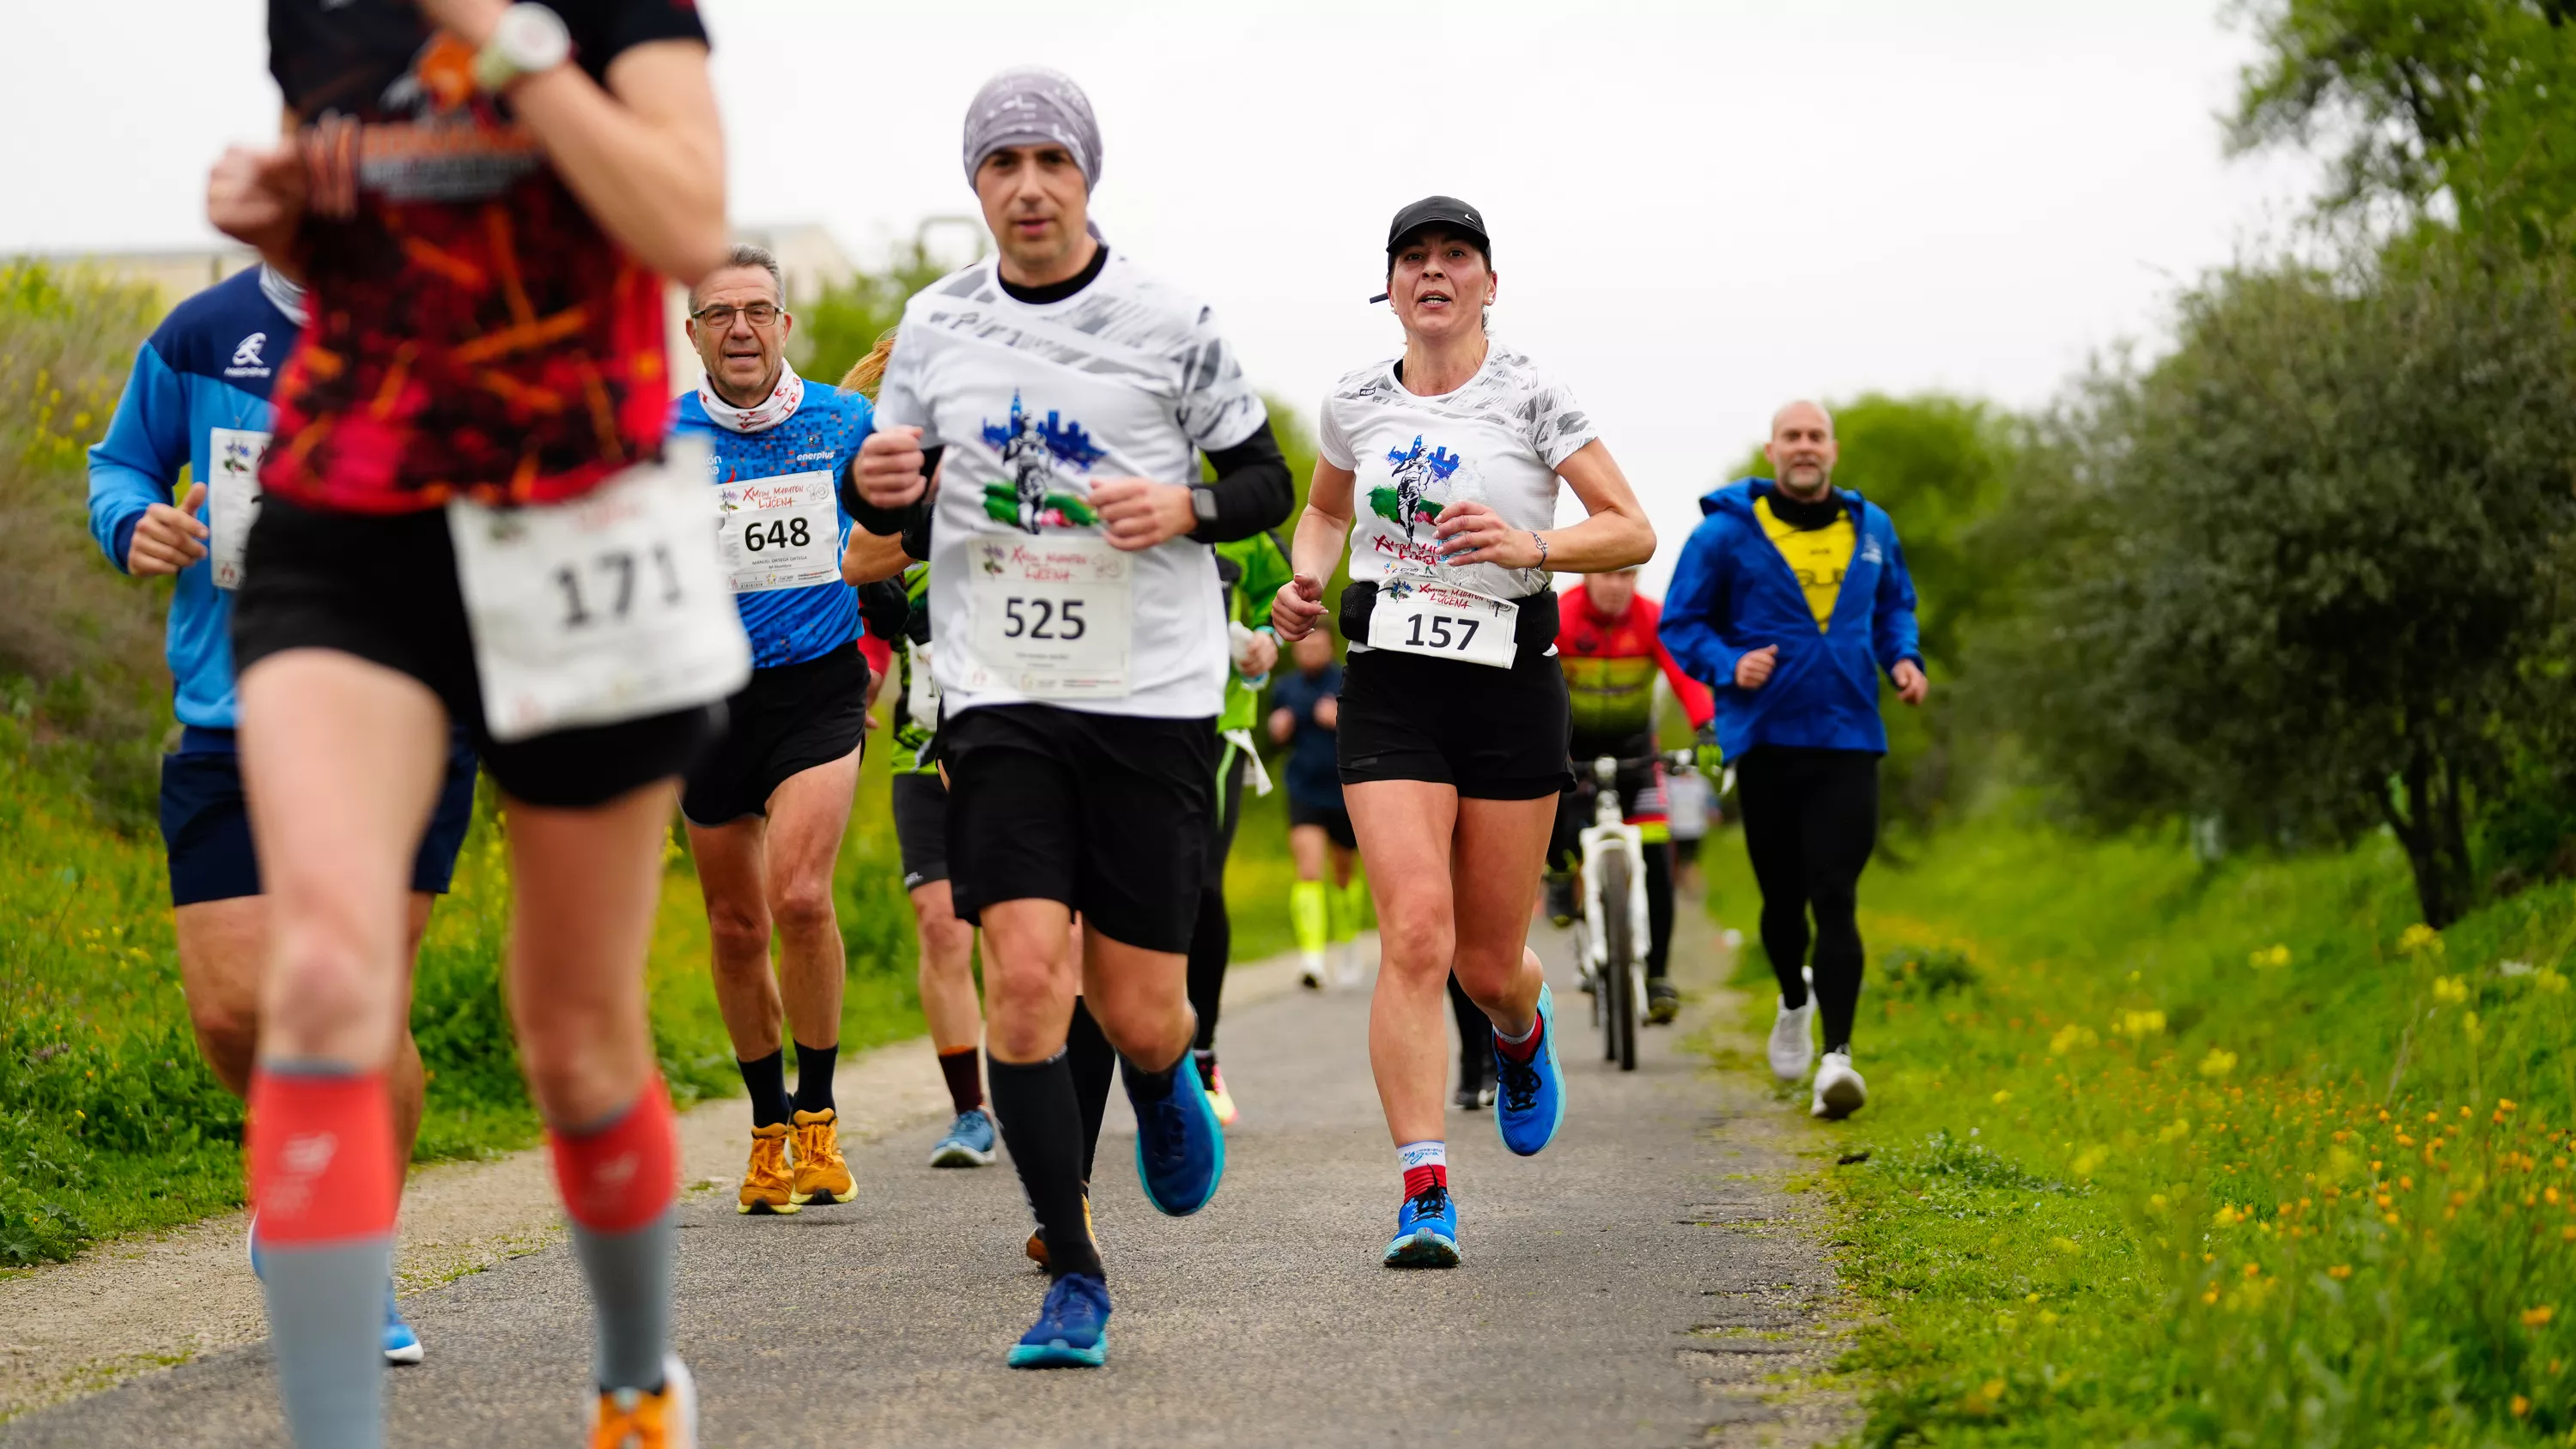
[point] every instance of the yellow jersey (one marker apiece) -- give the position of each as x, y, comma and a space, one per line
1818, 556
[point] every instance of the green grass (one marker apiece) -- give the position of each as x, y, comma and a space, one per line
110, 1123
2167, 1154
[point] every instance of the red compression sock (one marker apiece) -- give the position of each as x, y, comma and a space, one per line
620, 1176
321, 1152
1431, 1175
1526, 1047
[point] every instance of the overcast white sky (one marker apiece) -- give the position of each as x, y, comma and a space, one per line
1699, 210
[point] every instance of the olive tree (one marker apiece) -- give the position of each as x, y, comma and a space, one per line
2297, 574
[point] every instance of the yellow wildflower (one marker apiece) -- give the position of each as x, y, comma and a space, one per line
2217, 1064
2339, 1272
2420, 938
2537, 1317
2450, 989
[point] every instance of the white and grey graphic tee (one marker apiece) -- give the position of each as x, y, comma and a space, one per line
1498, 440
1034, 402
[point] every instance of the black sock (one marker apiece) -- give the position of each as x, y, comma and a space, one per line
1093, 1063
964, 1069
1042, 1125
765, 1078
814, 1076
1144, 1087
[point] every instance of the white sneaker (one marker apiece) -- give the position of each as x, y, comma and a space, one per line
1839, 1090
1312, 975
1346, 965
1793, 1045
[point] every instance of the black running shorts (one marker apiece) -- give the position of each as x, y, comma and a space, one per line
1335, 820
1106, 813
787, 720
1494, 734
383, 587
921, 827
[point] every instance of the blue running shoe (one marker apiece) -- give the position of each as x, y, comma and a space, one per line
1426, 1231
1531, 1105
1180, 1151
401, 1344
969, 1142
1072, 1330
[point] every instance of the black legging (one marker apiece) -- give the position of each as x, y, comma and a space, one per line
1810, 822
1475, 1036
1212, 940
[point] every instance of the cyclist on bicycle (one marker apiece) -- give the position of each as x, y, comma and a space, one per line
1608, 646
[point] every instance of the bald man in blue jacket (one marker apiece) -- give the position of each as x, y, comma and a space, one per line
1789, 601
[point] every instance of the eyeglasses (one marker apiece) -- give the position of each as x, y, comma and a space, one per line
758, 314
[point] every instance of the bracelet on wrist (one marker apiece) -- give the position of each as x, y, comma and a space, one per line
1537, 538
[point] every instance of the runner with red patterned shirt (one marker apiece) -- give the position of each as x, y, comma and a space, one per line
1607, 645
466, 517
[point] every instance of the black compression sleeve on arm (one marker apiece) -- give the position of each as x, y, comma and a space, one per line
911, 519
1252, 487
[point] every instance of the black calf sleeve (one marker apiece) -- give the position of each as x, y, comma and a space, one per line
1475, 1035
1093, 1061
1659, 909
1042, 1125
1211, 942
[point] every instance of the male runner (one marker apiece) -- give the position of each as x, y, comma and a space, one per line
198, 399
766, 807
1610, 652
1789, 599
1305, 711
1081, 648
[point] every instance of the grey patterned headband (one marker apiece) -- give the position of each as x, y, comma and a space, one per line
1032, 106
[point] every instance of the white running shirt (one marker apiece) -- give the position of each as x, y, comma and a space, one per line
1498, 440
1125, 378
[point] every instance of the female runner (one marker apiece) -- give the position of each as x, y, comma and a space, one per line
1453, 719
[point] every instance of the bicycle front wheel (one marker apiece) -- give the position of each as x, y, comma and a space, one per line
1619, 984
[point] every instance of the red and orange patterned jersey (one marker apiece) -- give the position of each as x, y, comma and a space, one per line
474, 331
1610, 668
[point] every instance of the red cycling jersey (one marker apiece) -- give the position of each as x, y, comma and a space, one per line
1610, 669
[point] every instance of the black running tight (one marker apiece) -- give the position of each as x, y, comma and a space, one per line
1810, 822
1212, 940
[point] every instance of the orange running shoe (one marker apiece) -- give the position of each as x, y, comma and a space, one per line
633, 1419
767, 1186
822, 1175
1037, 1249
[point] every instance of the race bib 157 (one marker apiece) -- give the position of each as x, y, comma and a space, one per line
1444, 621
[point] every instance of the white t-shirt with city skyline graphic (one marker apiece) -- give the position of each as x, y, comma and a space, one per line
1033, 401
1497, 440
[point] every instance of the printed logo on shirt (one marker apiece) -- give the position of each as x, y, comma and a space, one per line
1035, 496
246, 359
822, 457
1869, 551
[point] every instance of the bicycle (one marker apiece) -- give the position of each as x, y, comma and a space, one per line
1610, 943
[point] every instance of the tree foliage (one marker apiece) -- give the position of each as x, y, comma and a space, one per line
2467, 100
2299, 574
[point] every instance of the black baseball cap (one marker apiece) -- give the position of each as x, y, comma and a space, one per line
1446, 212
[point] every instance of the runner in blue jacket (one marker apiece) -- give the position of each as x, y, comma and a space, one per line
1789, 600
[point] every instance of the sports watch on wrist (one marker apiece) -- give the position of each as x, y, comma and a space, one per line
1203, 504
528, 40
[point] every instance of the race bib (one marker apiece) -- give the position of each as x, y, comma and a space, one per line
780, 533
1444, 621
609, 607
921, 690
1048, 617
232, 498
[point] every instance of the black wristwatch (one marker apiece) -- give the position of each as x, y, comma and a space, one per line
1203, 503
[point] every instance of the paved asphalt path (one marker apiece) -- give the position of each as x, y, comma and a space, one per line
1643, 1282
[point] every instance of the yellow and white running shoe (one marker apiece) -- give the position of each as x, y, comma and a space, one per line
768, 1186
822, 1175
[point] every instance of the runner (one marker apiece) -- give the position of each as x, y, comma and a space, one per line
1079, 649
767, 806
198, 399
1251, 570
1794, 654
481, 339
1452, 718
1610, 652
1304, 711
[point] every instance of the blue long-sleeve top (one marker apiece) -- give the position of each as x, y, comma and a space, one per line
208, 366
1732, 593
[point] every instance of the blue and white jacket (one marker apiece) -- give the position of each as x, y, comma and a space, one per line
209, 365
1733, 593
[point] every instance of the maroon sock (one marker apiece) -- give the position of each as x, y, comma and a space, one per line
964, 1069
1524, 1050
